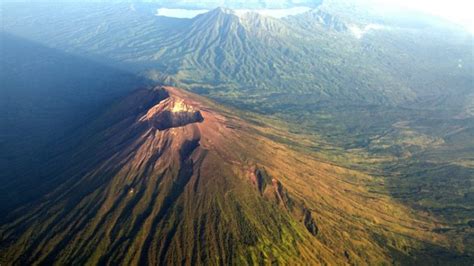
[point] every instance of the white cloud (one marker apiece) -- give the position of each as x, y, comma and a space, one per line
360, 32
457, 11
179, 13
276, 13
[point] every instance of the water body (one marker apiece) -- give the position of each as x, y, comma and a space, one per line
191, 13
180, 13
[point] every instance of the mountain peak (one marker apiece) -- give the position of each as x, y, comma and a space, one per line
165, 165
173, 157
215, 19
223, 10
218, 12
320, 17
173, 111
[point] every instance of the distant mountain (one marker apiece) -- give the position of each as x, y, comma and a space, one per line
350, 138
165, 176
320, 18
329, 55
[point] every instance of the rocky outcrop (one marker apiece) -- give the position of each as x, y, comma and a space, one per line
329, 21
272, 189
259, 179
281, 195
167, 119
309, 222
172, 112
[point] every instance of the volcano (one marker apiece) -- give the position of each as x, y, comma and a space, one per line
166, 176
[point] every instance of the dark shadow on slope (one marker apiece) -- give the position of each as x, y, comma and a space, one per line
46, 95
444, 190
185, 173
428, 255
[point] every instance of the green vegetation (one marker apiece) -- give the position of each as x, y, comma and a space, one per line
395, 103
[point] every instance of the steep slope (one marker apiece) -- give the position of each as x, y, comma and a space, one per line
318, 18
44, 94
221, 53
254, 55
167, 176
340, 53
311, 71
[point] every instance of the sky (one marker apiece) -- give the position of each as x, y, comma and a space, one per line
458, 11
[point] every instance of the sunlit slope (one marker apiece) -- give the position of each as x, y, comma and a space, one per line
167, 176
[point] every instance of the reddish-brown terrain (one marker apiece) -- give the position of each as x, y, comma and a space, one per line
168, 176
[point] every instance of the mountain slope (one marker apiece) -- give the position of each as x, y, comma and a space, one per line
336, 54
167, 176
225, 54
45, 94
221, 53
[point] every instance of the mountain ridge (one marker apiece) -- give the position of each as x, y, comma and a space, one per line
155, 181
390, 103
